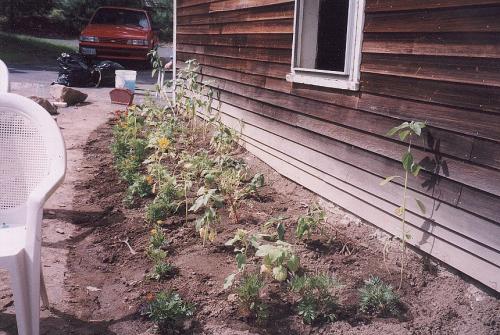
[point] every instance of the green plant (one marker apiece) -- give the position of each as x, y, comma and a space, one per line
377, 297
317, 297
229, 182
140, 186
279, 226
157, 238
210, 200
249, 299
278, 260
254, 185
162, 270
406, 131
310, 222
224, 139
167, 310
242, 241
166, 201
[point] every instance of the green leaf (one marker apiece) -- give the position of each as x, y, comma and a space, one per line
388, 180
280, 273
420, 205
293, 263
394, 130
415, 169
228, 282
404, 134
254, 242
407, 161
417, 127
241, 261
281, 231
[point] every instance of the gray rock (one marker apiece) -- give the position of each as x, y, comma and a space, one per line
67, 94
45, 104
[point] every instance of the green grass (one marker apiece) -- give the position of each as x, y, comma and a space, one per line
26, 50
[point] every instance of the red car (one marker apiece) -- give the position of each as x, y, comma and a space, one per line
118, 33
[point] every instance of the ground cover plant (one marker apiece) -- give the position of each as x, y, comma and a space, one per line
253, 267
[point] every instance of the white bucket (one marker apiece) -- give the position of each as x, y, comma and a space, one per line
125, 79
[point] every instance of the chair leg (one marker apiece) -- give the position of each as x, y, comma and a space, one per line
43, 291
34, 275
20, 288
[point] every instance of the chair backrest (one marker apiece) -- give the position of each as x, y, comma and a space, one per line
32, 154
4, 78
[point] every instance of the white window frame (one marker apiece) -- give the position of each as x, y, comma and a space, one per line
347, 80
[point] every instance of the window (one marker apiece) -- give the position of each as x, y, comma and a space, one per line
118, 17
327, 43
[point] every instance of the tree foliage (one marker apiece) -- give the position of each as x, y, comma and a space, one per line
73, 15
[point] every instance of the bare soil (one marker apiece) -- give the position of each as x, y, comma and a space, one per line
105, 285
435, 301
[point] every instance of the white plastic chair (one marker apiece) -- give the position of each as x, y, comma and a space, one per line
4, 78
32, 166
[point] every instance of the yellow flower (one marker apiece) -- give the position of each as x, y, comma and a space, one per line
149, 180
153, 231
163, 143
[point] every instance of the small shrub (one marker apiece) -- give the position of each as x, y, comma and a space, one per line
140, 187
279, 228
166, 201
157, 239
225, 139
278, 260
250, 302
167, 310
306, 224
162, 270
378, 298
317, 302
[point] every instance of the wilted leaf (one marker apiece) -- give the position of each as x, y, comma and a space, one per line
420, 205
228, 282
388, 180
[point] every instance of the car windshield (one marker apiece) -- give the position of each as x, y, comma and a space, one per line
120, 17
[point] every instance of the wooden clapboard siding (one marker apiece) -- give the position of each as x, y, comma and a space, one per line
435, 61
400, 5
477, 45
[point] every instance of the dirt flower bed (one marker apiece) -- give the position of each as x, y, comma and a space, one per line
200, 237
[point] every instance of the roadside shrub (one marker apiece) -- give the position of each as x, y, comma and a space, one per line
317, 300
167, 310
378, 298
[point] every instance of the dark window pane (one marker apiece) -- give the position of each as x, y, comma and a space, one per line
332, 34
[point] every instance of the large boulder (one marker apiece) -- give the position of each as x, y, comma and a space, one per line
45, 104
67, 94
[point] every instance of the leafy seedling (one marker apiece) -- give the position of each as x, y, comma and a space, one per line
378, 298
167, 310
318, 300
277, 260
406, 131
310, 222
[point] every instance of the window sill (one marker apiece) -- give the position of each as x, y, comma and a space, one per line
323, 80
